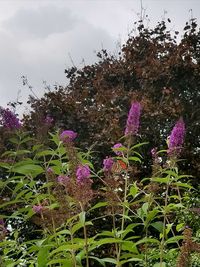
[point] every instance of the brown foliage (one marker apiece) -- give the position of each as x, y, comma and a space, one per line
152, 68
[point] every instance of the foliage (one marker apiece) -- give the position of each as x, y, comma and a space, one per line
107, 204
151, 67
44, 190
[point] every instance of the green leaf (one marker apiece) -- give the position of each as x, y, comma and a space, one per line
129, 229
65, 262
180, 227
133, 190
45, 153
163, 264
135, 159
10, 203
105, 241
129, 246
151, 215
139, 145
110, 260
67, 247
147, 240
106, 233
174, 239
29, 169
5, 165
145, 207
22, 152
98, 205
158, 226
82, 217
160, 180
42, 256
136, 258
185, 185
99, 260
78, 226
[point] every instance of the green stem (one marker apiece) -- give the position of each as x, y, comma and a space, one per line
123, 217
73, 253
124, 202
85, 238
164, 226
114, 228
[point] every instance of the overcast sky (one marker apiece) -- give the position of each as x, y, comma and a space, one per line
39, 39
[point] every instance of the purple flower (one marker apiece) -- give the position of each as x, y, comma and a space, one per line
154, 152
37, 208
176, 138
3, 229
50, 170
107, 164
63, 179
82, 173
115, 147
48, 120
133, 121
9, 119
68, 136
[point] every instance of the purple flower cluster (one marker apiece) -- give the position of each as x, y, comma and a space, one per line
115, 148
154, 152
37, 208
63, 179
133, 121
176, 138
82, 173
107, 164
3, 229
68, 136
48, 120
8, 119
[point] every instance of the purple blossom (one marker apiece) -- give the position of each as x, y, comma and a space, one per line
50, 170
37, 208
48, 120
115, 147
154, 152
9, 119
107, 164
156, 158
133, 121
176, 138
82, 173
2, 227
68, 136
63, 179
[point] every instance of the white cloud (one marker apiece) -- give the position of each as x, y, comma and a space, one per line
38, 36
40, 22
42, 53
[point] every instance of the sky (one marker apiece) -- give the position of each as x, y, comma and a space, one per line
40, 39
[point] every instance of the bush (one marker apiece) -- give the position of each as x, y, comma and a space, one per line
50, 192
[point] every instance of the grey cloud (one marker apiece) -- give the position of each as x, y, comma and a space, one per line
44, 59
41, 22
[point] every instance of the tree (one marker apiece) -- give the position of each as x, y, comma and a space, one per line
153, 68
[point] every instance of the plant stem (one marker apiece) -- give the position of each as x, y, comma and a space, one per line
164, 226
124, 201
114, 228
123, 216
72, 241
85, 238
